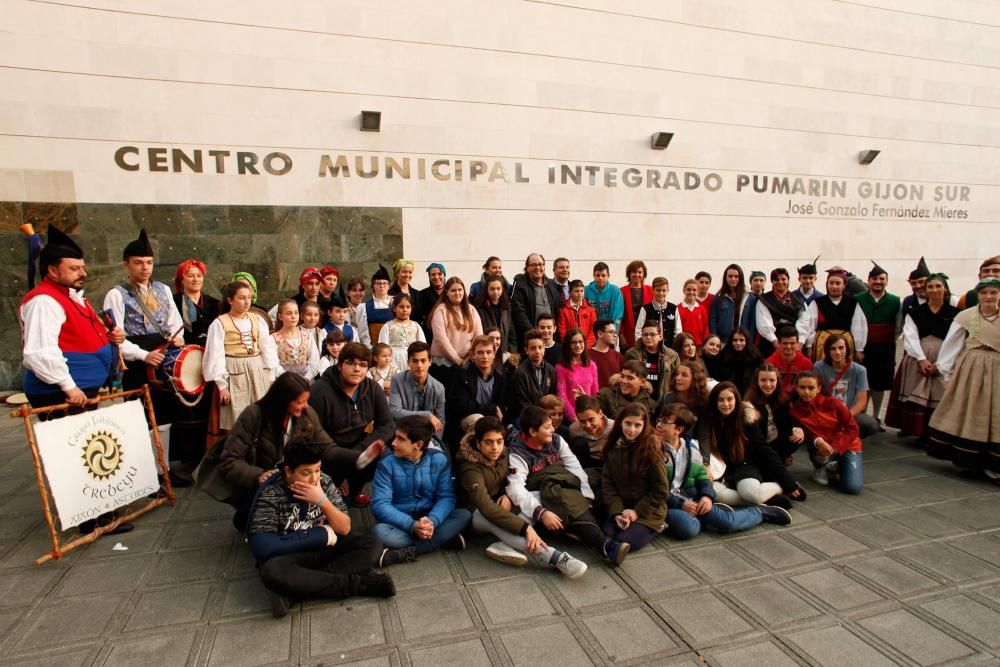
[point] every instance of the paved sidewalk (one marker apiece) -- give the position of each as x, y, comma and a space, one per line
907, 573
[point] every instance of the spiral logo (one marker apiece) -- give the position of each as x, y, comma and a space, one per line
102, 455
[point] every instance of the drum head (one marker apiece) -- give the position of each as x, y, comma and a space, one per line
188, 375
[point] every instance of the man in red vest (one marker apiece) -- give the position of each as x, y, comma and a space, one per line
68, 353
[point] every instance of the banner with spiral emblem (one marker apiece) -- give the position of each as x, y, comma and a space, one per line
97, 461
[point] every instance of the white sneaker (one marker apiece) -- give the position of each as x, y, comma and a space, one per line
505, 554
821, 476
570, 567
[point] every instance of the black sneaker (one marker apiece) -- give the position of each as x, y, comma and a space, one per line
456, 543
393, 556
779, 500
777, 515
376, 584
279, 605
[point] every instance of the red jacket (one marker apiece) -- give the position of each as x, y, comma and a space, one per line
627, 334
828, 418
583, 318
789, 371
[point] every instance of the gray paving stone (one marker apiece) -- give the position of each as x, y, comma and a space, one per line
429, 570
947, 484
449, 613
831, 505
969, 616
156, 609
656, 572
976, 513
836, 589
338, 627
73, 658
471, 653
254, 641
893, 575
986, 547
172, 648
878, 530
478, 567
35, 546
827, 541
544, 645
112, 575
718, 563
915, 638
598, 586
773, 604
764, 653
704, 618
145, 539
628, 634
948, 562
8, 619
926, 521
775, 552
837, 646
891, 470
905, 493
381, 661
21, 587
246, 595
514, 599
14, 527
203, 534
184, 566
70, 622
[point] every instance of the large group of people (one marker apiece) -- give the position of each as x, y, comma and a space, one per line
521, 409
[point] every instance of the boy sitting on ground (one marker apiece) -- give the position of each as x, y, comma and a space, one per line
548, 485
300, 534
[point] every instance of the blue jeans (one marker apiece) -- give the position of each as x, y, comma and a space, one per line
850, 470
394, 538
683, 526
852, 473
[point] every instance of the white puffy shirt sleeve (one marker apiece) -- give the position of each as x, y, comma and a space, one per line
213, 363
859, 329
952, 346
268, 350
43, 317
114, 302
911, 339
765, 324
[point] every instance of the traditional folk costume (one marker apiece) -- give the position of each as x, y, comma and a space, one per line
398, 335
65, 343
150, 319
376, 312
915, 395
813, 294
880, 351
841, 316
240, 356
965, 428
244, 277
773, 313
297, 354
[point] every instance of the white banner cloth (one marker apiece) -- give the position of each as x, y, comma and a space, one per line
97, 461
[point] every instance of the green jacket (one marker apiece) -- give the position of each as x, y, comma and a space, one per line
626, 488
481, 483
670, 361
612, 399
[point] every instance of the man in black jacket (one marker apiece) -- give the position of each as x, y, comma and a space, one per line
353, 410
533, 379
475, 389
533, 293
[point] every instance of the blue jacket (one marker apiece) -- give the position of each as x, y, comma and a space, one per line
404, 491
720, 316
609, 302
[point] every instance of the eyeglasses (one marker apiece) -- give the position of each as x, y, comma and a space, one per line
664, 422
613, 332
537, 264
650, 334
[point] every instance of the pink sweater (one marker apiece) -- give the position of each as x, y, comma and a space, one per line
568, 379
451, 342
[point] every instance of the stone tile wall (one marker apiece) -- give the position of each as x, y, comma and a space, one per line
273, 243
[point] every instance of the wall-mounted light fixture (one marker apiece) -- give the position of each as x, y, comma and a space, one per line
661, 140
867, 157
371, 121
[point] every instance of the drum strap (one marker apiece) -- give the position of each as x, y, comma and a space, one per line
145, 309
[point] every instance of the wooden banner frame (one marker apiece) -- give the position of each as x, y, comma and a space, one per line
59, 549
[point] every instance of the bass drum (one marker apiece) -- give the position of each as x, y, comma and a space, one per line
263, 313
180, 370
